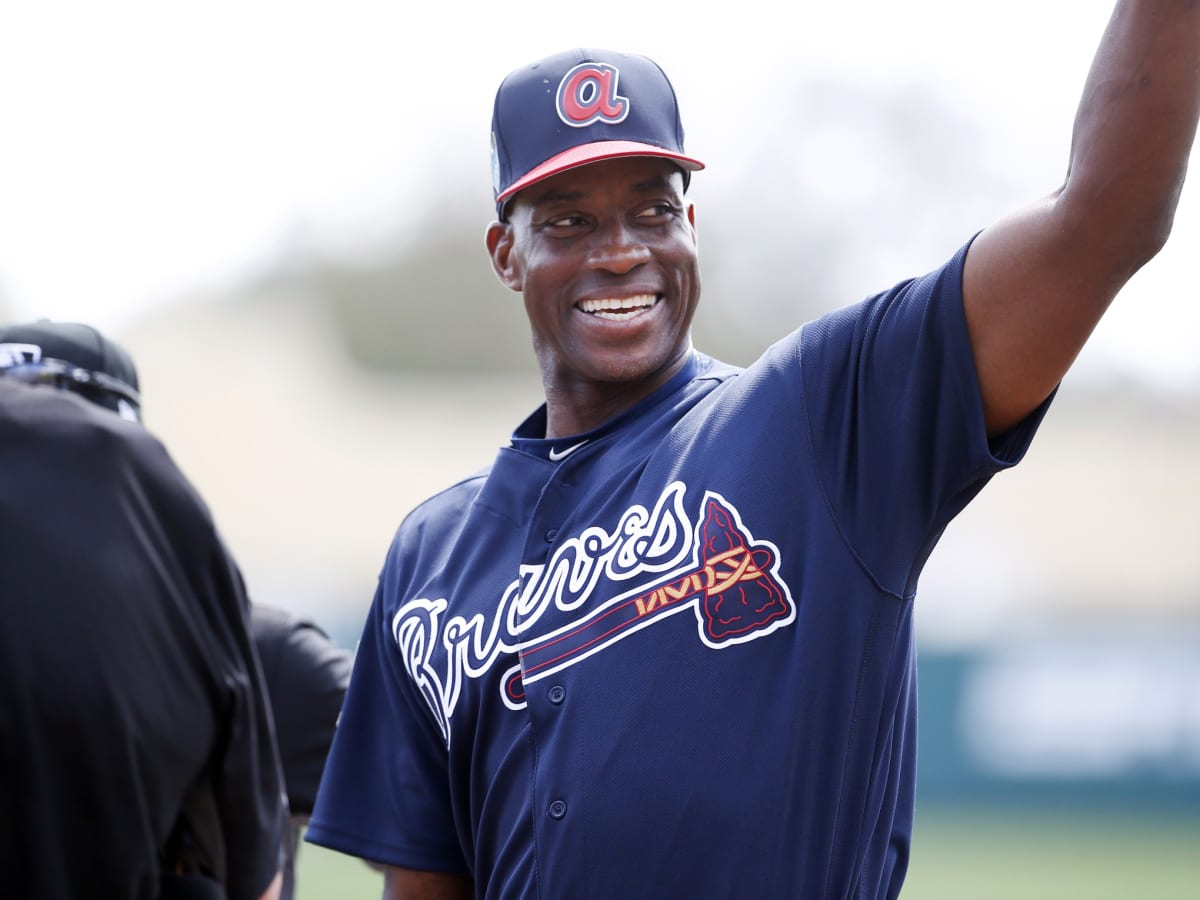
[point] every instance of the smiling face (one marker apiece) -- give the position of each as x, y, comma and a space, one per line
606, 258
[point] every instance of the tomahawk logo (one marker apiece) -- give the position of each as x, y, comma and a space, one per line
710, 565
732, 586
588, 93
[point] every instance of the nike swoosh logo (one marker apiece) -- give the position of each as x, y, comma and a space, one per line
556, 455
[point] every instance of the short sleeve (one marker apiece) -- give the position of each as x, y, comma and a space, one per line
896, 423
385, 792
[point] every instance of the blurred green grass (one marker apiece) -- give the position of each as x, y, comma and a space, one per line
1046, 855
323, 874
960, 855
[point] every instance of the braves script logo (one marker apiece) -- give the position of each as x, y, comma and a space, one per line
588, 93
715, 568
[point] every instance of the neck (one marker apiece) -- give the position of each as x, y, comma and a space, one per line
582, 406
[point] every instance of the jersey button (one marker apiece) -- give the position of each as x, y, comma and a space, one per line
557, 694
551, 535
558, 809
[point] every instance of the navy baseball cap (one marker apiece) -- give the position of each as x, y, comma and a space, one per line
72, 357
580, 107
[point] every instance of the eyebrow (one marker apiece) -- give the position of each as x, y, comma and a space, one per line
646, 186
651, 184
553, 196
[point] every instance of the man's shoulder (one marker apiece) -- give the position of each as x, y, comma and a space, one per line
275, 626
295, 650
271, 624
44, 414
58, 445
434, 523
709, 368
448, 504
56, 428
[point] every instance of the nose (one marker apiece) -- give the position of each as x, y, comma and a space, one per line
617, 249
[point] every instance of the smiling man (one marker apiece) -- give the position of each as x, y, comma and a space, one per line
605, 258
662, 647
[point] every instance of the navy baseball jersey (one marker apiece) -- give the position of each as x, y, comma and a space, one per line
673, 656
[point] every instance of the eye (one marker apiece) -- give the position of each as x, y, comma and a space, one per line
570, 220
655, 212
562, 223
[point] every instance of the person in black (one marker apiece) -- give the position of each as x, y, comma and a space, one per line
131, 700
304, 671
306, 675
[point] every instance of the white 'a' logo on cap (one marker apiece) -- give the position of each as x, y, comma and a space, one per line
588, 93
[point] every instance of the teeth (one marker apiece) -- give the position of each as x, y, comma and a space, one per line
619, 309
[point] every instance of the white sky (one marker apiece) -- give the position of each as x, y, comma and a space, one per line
151, 148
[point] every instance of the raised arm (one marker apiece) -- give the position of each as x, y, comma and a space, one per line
1036, 283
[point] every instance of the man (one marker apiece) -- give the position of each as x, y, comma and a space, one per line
304, 671
306, 675
138, 759
663, 647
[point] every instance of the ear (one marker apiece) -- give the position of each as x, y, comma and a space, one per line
500, 248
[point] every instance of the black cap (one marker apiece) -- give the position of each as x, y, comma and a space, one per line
75, 357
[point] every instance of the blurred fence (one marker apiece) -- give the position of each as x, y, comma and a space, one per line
1074, 716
